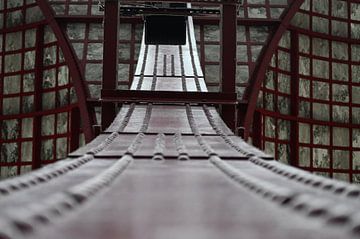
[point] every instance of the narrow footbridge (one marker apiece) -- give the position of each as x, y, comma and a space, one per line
166, 169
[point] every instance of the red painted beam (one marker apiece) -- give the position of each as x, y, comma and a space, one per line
74, 129
228, 61
257, 130
110, 58
212, 2
207, 20
39, 56
215, 20
96, 19
252, 91
168, 97
74, 68
294, 58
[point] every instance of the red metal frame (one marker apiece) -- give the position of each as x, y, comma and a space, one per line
294, 134
333, 164
36, 160
75, 129
168, 96
110, 59
198, 20
257, 71
186, 1
228, 60
270, 21
257, 130
30, 133
77, 77
252, 91
127, 61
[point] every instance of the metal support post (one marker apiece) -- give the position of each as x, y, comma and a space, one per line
110, 58
228, 60
39, 56
294, 135
74, 129
257, 130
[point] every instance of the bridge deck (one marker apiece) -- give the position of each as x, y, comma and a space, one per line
174, 171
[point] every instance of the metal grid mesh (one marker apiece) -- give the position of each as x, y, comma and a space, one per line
327, 119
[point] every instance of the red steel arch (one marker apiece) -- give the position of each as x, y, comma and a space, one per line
252, 91
75, 72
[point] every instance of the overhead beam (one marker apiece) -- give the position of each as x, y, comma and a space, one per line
185, 1
168, 97
134, 10
208, 20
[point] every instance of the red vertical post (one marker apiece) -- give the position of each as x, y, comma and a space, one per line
294, 134
228, 60
39, 56
110, 58
74, 128
257, 130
